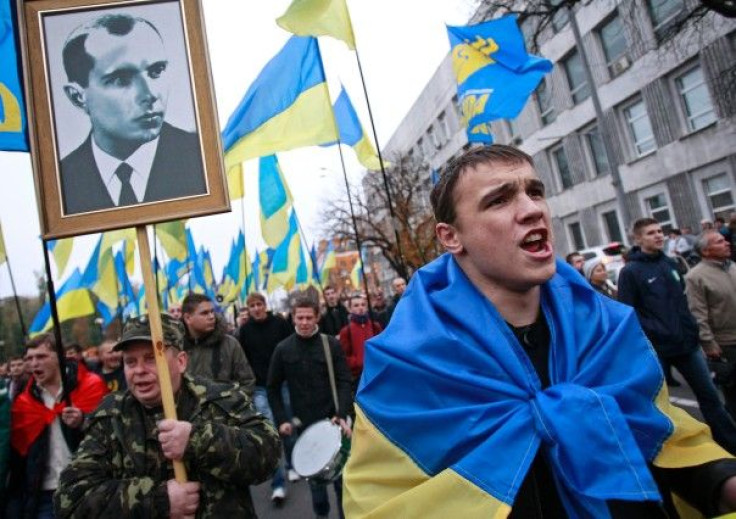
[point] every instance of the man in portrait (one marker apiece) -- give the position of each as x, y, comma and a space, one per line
116, 67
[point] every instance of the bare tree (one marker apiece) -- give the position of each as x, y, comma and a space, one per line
409, 184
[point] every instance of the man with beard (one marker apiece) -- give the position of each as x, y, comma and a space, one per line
213, 353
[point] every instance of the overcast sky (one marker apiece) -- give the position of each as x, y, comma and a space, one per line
401, 44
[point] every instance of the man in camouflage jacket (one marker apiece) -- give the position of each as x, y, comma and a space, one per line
123, 466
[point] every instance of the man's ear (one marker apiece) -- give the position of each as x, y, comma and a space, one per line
75, 93
448, 237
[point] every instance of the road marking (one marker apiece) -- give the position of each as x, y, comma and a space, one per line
683, 401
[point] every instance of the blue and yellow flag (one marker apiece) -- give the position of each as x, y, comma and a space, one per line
494, 73
319, 18
275, 199
3, 252
173, 238
12, 112
352, 133
286, 107
235, 182
72, 301
61, 250
328, 263
356, 275
286, 260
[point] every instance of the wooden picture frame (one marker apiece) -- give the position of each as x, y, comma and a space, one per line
115, 81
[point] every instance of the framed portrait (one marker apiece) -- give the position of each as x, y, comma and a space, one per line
122, 119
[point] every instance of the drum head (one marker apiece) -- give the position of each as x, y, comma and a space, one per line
316, 448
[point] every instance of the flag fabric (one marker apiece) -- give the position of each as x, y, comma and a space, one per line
440, 435
351, 132
434, 176
319, 18
356, 275
128, 237
495, 75
275, 200
126, 293
235, 184
173, 238
12, 112
101, 278
72, 301
328, 263
3, 253
285, 262
60, 250
286, 107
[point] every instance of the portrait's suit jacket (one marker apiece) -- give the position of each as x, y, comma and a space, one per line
176, 172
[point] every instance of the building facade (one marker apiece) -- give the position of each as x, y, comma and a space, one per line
668, 110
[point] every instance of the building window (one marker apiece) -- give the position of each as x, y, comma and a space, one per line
528, 27
662, 11
597, 151
579, 88
544, 102
561, 16
613, 229
443, 127
563, 167
613, 41
659, 209
432, 139
640, 129
576, 233
718, 192
695, 99
514, 130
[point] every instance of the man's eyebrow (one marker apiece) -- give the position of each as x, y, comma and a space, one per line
159, 63
504, 187
125, 70
534, 183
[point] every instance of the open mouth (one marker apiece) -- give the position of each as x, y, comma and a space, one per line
535, 241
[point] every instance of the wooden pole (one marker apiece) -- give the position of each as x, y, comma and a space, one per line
154, 316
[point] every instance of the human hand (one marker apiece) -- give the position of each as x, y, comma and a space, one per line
344, 426
73, 417
286, 429
173, 435
713, 351
183, 499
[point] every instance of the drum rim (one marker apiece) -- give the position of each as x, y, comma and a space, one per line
333, 453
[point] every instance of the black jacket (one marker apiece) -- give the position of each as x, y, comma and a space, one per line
302, 365
334, 319
259, 339
651, 284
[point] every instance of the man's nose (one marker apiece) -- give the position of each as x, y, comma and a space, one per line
147, 90
528, 208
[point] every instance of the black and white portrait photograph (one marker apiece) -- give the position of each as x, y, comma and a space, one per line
122, 106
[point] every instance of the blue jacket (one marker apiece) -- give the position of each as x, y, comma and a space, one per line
651, 284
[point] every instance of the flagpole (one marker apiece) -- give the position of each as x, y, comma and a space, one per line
355, 221
400, 251
57, 326
15, 296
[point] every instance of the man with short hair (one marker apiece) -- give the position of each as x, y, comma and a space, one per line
259, 336
213, 353
354, 336
506, 386
576, 261
398, 285
175, 310
335, 315
299, 360
111, 368
123, 466
116, 66
711, 296
46, 427
650, 283
18, 378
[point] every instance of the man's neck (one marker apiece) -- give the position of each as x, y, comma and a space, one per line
517, 307
52, 387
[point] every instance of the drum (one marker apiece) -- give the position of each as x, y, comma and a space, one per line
320, 452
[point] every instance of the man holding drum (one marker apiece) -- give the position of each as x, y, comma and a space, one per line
300, 361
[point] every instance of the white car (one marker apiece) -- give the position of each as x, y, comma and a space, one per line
610, 255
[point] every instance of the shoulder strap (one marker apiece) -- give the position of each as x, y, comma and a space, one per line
330, 370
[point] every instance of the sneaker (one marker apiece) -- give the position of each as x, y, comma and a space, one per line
293, 475
278, 495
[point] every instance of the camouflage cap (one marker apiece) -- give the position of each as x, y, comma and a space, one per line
139, 329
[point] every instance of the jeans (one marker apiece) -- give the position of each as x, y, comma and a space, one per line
694, 370
320, 500
260, 400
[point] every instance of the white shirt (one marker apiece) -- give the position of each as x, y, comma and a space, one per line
59, 454
141, 161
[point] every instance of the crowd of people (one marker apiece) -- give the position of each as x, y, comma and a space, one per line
501, 382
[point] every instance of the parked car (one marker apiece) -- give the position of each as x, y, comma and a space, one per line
611, 255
